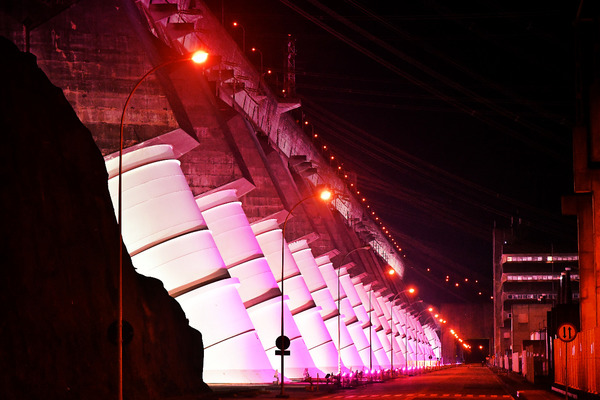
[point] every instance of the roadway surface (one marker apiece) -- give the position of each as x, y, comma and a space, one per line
472, 382
464, 382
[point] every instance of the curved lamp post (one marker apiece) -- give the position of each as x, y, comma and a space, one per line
338, 305
198, 57
255, 50
237, 24
325, 195
411, 291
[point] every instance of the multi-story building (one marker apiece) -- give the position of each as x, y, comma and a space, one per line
529, 280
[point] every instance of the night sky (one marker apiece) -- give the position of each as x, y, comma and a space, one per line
449, 116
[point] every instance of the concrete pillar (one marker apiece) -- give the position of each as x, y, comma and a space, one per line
260, 293
304, 309
397, 336
375, 352
377, 342
348, 313
320, 293
167, 237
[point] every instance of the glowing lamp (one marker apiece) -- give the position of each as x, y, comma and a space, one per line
325, 195
200, 57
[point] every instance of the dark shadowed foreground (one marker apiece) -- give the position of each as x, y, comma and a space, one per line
59, 280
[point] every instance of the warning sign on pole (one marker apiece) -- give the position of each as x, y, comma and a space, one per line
567, 332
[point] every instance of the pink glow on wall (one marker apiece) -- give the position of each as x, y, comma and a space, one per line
182, 262
303, 308
378, 349
149, 187
165, 231
368, 353
350, 319
323, 298
377, 342
260, 292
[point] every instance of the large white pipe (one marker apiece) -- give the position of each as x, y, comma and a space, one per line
367, 298
376, 321
165, 231
350, 318
259, 290
396, 336
368, 355
320, 293
303, 308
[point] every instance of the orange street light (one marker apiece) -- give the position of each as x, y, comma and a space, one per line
324, 194
200, 57
197, 57
255, 50
237, 24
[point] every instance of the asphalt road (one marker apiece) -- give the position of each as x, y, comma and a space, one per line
472, 382
464, 382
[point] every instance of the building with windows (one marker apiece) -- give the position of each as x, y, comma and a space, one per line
530, 279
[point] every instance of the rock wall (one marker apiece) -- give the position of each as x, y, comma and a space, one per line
59, 275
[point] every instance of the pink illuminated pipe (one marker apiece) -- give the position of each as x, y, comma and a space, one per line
400, 321
399, 343
320, 293
167, 237
367, 298
303, 308
382, 328
369, 355
383, 305
376, 351
434, 343
414, 326
243, 256
349, 315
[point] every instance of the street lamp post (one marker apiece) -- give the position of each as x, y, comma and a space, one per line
370, 333
197, 57
409, 290
406, 341
237, 24
338, 305
392, 332
254, 49
324, 195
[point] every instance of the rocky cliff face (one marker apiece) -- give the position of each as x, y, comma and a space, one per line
59, 270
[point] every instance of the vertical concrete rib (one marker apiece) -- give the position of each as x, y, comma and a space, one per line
320, 293
167, 236
349, 315
368, 354
366, 298
243, 256
303, 307
377, 326
382, 305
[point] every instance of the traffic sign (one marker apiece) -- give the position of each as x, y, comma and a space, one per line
567, 332
282, 343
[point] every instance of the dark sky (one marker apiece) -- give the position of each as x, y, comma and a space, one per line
452, 115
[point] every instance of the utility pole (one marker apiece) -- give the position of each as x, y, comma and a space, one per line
289, 82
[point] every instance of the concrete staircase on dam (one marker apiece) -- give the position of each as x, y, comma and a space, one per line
207, 188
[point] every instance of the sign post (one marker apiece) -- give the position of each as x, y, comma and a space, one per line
567, 333
282, 343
